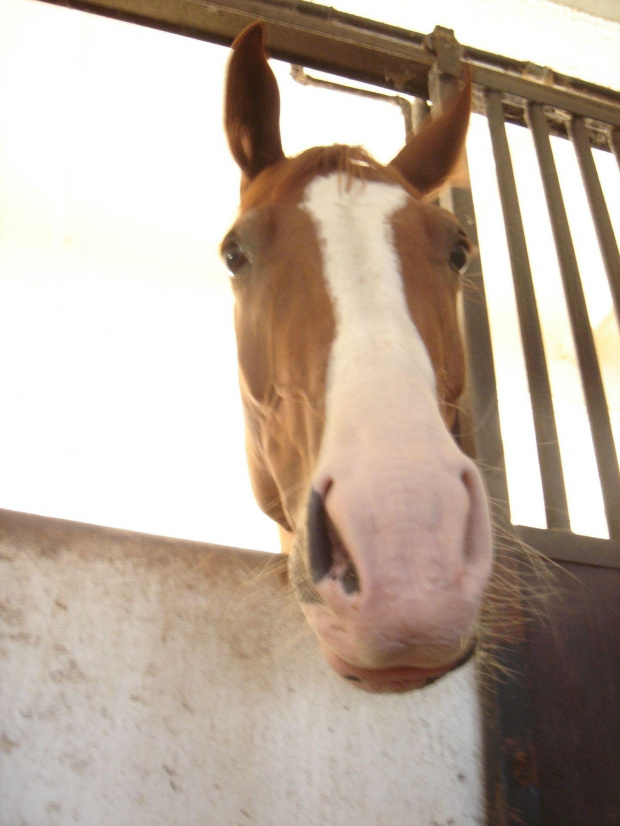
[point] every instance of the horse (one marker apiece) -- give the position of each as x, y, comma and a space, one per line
351, 364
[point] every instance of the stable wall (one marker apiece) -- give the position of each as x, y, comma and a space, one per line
152, 681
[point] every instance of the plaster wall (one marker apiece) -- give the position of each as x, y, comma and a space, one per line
153, 681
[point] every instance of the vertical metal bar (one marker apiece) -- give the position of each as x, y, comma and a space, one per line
598, 413
420, 110
556, 506
482, 385
508, 723
614, 140
598, 208
510, 800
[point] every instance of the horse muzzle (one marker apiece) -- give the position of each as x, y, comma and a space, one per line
399, 582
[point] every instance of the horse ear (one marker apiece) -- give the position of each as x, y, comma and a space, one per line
432, 155
252, 106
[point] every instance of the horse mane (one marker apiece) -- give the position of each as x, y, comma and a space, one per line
283, 179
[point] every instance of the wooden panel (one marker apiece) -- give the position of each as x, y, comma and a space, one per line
575, 685
564, 546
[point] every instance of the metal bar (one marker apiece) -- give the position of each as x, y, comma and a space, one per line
420, 110
507, 728
299, 75
511, 800
567, 101
594, 392
320, 37
614, 140
297, 32
556, 505
598, 208
563, 546
481, 383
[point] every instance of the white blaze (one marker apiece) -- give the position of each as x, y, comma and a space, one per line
378, 361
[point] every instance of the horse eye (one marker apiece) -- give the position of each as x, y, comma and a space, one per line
459, 256
234, 257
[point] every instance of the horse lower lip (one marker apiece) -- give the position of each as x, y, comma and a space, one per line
394, 680
398, 679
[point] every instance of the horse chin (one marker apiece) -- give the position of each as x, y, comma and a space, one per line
396, 677
396, 680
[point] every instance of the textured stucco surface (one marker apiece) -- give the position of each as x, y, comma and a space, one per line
153, 681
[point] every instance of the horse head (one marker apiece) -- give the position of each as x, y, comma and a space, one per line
350, 364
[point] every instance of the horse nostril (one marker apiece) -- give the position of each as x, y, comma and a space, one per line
352, 677
350, 580
320, 553
327, 555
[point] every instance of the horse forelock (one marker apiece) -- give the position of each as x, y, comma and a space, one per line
286, 180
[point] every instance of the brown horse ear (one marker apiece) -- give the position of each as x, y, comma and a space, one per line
430, 158
252, 106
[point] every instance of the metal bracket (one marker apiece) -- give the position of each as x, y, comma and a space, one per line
541, 74
299, 74
447, 50
443, 75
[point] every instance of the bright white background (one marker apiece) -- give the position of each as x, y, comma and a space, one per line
117, 357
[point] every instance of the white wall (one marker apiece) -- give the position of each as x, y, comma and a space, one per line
156, 682
117, 351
